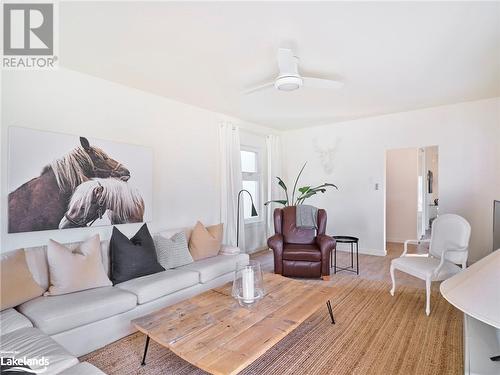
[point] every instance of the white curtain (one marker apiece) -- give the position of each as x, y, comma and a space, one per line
274, 168
230, 182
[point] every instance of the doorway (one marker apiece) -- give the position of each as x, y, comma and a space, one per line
412, 194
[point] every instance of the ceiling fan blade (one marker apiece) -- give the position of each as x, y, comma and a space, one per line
287, 62
258, 88
319, 83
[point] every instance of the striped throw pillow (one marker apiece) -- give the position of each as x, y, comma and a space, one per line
172, 252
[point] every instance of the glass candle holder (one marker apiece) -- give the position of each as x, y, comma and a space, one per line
248, 284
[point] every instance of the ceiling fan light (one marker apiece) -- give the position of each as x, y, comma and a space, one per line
288, 87
288, 83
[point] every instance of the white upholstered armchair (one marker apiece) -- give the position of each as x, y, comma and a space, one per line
448, 247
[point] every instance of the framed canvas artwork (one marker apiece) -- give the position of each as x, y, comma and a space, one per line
59, 181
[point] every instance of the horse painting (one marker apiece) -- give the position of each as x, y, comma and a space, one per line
41, 203
92, 198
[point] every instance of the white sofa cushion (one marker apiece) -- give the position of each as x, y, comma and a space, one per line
150, 287
83, 368
11, 320
34, 344
55, 314
213, 267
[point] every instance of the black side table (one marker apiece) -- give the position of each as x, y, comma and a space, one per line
352, 241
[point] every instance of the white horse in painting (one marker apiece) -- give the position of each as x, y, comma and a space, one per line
92, 198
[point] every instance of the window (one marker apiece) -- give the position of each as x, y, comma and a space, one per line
248, 161
252, 181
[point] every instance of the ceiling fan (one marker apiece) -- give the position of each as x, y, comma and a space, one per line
289, 78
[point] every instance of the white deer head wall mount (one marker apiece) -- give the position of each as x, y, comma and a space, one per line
326, 154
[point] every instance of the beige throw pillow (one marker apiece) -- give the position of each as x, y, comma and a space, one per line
17, 283
205, 242
74, 270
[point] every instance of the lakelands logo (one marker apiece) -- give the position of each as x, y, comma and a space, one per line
29, 36
38, 365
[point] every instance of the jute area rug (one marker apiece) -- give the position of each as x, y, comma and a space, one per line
375, 334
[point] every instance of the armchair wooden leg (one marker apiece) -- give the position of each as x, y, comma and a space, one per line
427, 296
393, 280
326, 277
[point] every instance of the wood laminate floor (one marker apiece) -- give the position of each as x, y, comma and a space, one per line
371, 267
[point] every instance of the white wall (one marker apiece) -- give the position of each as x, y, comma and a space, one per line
183, 138
401, 194
469, 163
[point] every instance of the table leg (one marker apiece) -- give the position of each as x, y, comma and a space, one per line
330, 311
357, 258
352, 264
143, 363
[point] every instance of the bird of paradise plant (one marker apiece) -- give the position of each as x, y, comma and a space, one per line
304, 191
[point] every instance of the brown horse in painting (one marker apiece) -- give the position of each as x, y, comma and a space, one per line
93, 198
40, 203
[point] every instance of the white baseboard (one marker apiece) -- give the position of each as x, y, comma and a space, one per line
364, 251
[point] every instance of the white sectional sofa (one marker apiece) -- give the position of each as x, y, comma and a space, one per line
67, 326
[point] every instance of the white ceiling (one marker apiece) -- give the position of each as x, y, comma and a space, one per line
392, 57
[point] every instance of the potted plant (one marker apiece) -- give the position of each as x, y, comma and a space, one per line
304, 191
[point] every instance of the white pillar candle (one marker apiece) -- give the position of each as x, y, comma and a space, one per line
247, 283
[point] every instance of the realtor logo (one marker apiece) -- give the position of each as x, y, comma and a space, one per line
28, 35
28, 29
12, 363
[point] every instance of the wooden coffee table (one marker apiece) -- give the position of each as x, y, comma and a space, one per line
212, 332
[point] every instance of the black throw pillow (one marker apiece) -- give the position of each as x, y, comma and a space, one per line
132, 258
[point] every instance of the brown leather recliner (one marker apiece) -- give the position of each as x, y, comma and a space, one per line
300, 252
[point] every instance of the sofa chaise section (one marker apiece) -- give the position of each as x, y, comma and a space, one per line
11, 320
55, 314
33, 343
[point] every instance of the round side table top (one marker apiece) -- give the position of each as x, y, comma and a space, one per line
346, 239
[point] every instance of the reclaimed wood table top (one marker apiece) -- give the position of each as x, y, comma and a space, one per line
215, 334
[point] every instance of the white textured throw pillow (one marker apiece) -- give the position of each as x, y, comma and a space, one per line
172, 252
74, 270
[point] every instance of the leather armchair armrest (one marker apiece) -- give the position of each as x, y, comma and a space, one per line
276, 244
326, 244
